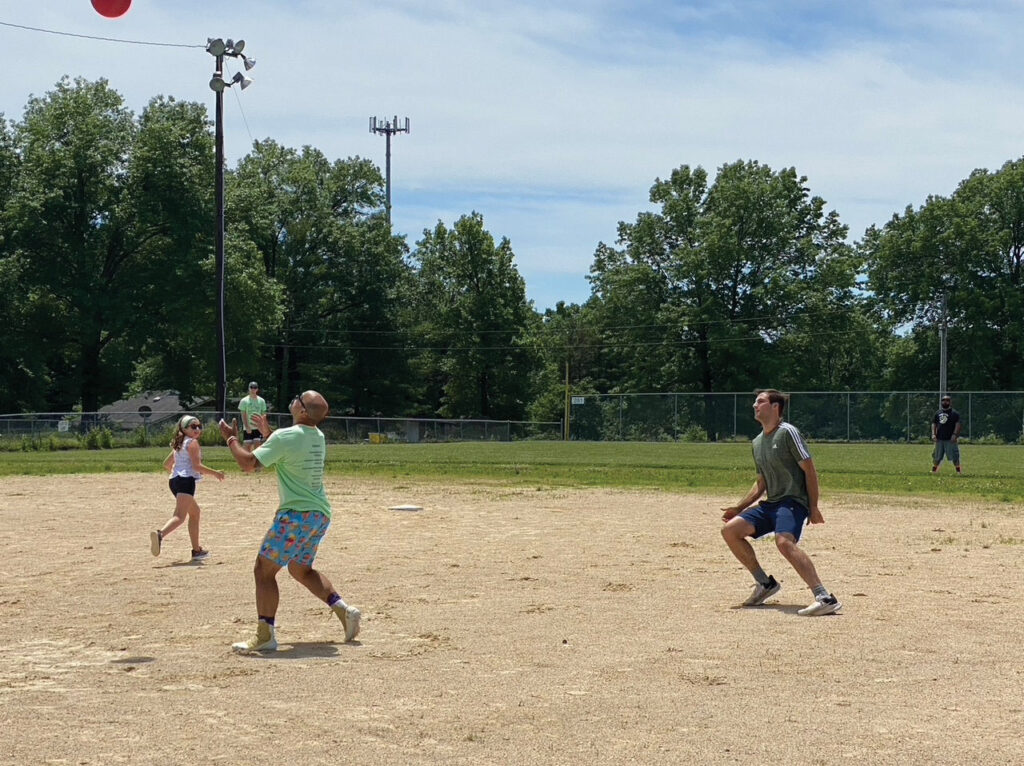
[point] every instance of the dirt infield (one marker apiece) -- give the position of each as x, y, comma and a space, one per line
504, 627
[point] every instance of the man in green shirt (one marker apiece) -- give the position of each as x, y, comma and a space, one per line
251, 405
789, 481
303, 514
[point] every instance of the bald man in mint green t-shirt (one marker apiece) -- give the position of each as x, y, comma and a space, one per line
302, 518
298, 454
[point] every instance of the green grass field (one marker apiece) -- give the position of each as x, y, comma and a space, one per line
992, 473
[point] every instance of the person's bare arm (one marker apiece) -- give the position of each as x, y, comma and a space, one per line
753, 495
811, 475
263, 425
245, 459
197, 462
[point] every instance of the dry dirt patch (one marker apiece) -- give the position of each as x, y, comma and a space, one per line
504, 626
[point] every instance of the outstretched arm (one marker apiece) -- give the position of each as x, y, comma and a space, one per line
197, 462
263, 424
754, 494
245, 459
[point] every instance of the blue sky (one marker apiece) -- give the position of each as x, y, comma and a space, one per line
553, 120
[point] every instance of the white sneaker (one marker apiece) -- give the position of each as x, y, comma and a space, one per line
265, 640
350, 617
828, 605
762, 593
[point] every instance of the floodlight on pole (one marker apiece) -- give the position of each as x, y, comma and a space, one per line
218, 48
388, 128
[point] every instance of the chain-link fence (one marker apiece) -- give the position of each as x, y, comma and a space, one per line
131, 428
996, 416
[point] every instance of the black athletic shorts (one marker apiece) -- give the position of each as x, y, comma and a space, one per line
185, 484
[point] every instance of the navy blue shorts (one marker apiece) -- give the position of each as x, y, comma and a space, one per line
183, 484
785, 516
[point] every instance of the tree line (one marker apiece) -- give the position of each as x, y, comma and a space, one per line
730, 283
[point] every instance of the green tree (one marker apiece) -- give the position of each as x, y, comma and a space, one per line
170, 185
706, 293
319, 233
964, 252
23, 379
473, 323
75, 238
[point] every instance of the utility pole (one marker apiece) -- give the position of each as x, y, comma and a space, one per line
943, 328
218, 48
565, 431
388, 128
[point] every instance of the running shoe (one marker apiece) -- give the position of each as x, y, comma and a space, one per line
762, 593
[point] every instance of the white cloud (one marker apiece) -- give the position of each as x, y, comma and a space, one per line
553, 121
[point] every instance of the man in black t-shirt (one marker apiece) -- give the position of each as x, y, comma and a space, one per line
946, 435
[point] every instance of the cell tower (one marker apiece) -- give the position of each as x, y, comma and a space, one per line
388, 128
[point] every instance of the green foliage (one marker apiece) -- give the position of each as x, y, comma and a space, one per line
729, 286
726, 284
694, 433
99, 438
473, 321
968, 246
314, 229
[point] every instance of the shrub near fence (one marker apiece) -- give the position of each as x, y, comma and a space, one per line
70, 430
996, 416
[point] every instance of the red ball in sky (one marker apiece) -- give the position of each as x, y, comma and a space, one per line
111, 8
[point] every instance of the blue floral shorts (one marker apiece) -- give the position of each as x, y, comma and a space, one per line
294, 536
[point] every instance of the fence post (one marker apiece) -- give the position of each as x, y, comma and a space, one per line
908, 417
970, 410
735, 412
847, 416
675, 416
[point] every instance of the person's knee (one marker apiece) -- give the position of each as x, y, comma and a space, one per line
731, 533
786, 545
299, 571
263, 570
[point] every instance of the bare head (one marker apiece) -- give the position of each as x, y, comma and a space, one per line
309, 408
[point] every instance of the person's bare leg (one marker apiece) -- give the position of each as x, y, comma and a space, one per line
735, 532
798, 559
182, 503
193, 525
267, 594
313, 580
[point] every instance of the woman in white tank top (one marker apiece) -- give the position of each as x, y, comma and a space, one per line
186, 466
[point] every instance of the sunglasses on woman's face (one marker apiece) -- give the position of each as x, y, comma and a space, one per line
197, 426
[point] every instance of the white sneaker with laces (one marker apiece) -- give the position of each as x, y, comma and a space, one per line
828, 605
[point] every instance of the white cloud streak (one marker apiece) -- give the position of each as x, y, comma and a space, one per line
548, 118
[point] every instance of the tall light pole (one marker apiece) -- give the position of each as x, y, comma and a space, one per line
219, 49
388, 128
943, 332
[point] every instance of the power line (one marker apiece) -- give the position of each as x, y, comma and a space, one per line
96, 37
683, 320
632, 344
